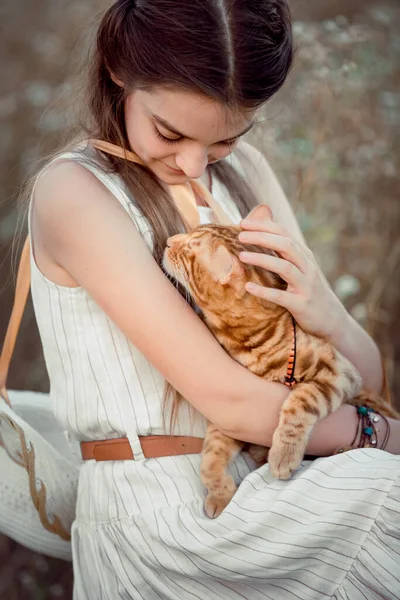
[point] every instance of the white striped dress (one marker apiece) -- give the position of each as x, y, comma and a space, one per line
331, 531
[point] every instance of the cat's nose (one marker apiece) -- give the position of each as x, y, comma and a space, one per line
175, 239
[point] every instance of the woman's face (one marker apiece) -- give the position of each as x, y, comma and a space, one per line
178, 133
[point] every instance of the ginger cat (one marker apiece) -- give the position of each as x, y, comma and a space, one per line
259, 335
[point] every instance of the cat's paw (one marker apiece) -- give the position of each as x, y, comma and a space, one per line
218, 499
284, 458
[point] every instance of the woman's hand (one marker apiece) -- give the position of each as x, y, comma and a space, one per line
308, 296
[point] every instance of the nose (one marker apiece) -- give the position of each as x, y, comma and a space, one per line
192, 163
174, 240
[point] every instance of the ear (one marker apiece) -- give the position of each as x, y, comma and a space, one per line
225, 266
115, 79
262, 212
176, 239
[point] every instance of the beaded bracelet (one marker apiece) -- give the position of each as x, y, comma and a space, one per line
367, 430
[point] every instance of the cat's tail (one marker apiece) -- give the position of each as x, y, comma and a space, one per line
377, 403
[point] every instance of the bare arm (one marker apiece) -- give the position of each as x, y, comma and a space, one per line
356, 345
88, 233
342, 331
257, 419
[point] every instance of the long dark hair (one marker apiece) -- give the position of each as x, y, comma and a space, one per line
237, 52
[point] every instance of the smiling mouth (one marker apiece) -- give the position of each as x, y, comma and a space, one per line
177, 171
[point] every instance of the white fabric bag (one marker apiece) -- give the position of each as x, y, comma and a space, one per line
39, 466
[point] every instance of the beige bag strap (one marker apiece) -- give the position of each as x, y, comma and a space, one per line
21, 295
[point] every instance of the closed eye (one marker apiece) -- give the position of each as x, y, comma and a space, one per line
230, 142
168, 140
165, 139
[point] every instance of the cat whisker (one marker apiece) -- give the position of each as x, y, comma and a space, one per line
183, 277
177, 279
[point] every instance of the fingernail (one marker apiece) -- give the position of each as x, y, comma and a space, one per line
250, 287
244, 255
245, 222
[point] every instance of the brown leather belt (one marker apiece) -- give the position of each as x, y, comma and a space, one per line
153, 446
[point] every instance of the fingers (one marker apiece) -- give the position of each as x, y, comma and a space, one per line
268, 226
285, 246
264, 225
260, 212
287, 270
283, 298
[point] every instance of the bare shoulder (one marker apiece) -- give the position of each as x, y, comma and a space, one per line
68, 194
68, 199
66, 187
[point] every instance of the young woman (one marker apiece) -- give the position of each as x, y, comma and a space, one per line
175, 84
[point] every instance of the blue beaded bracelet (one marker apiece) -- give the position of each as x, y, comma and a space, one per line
367, 431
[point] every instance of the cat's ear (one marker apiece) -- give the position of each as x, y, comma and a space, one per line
225, 266
262, 212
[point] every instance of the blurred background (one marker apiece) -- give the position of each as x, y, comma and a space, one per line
332, 135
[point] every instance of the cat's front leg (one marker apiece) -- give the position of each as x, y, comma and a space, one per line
306, 404
218, 451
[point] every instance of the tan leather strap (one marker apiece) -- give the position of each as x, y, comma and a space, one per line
21, 295
185, 202
115, 150
184, 195
153, 446
221, 216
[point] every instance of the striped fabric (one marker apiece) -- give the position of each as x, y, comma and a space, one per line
332, 531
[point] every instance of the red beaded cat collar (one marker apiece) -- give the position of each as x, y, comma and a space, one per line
290, 380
